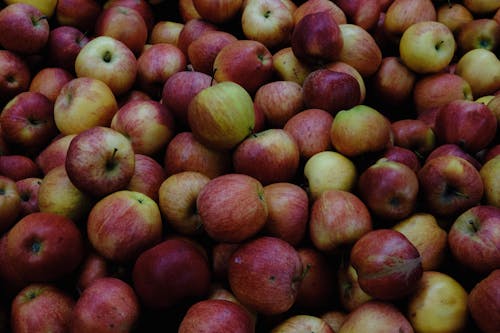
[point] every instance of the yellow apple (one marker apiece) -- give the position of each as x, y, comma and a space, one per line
490, 174
481, 68
47, 7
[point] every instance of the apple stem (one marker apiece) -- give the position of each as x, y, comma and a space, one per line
473, 225
212, 79
36, 20
110, 163
438, 45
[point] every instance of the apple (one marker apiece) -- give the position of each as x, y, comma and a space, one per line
351, 296
193, 29
269, 156
363, 13
334, 318
331, 91
177, 197
148, 176
337, 220
340, 66
180, 88
268, 21
246, 62
316, 38
288, 212
202, 51
83, 103
437, 90
44, 247
81, 14
49, 81
469, 124
431, 240
453, 15
360, 50
279, 101
489, 176
453, 149
275, 269
10, 203
185, 153
427, 47
473, 237
216, 315
328, 170
359, 130
311, 130
156, 64
28, 191
143, 7
479, 33
41, 306
449, 185
481, 6
100, 161
401, 14
221, 254
58, 195
288, 67
402, 155
54, 153
171, 272
389, 189
393, 83
388, 265
109, 60
414, 134
483, 304
187, 11
17, 167
110, 296
25, 29
16, 75
494, 105
439, 303
301, 323
232, 207
63, 46
149, 125
314, 6
165, 31
222, 115
491, 153
218, 11
93, 267
481, 68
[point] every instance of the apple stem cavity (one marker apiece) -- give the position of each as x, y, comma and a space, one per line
473, 226
438, 45
35, 20
107, 56
110, 164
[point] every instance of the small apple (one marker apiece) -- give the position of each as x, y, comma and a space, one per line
187, 11
414, 134
63, 46
54, 153
28, 191
165, 31
81, 14
482, 6
17, 167
148, 176
193, 29
49, 82
143, 7
363, 13
10, 203
203, 50
16, 75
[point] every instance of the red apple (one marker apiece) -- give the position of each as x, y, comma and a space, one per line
414, 134
202, 51
402, 13
49, 82
483, 302
165, 31
93, 267
10, 203
265, 274
364, 13
148, 176
16, 75
143, 7
403, 155
314, 6
18, 167
453, 149
187, 11
350, 293
54, 153
218, 11
28, 191
81, 14
479, 33
453, 15
388, 264
63, 46
192, 29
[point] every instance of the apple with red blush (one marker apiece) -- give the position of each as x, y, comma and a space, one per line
63, 46
148, 176
16, 76
49, 81
81, 14
483, 304
28, 191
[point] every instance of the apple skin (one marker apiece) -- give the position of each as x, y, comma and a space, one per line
439, 304
10, 203
479, 33
489, 176
83, 103
63, 46
388, 264
302, 323
17, 167
449, 185
165, 31
351, 295
203, 50
288, 212
54, 153
341, 66
232, 207
453, 149
143, 7
269, 156
41, 306
216, 315
331, 91
474, 237
481, 68
177, 201
191, 30
337, 220
25, 29
109, 60
28, 191
453, 15
469, 124
148, 176
93, 267
376, 316
81, 14
288, 67
46, 247
104, 305
314, 6
218, 11
402, 13
403, 155
174, 271
27, 121
58, 195
363, 13
100, 161
483, 302
275, 269
221, 253
248, 63
311, 130
316, 38
149, 125
414, 134
185, 153
221, 116
334, 318
16, 75
49, 81
389, 189
481, 6
156, 64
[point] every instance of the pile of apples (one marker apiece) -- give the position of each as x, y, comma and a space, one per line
249, 166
